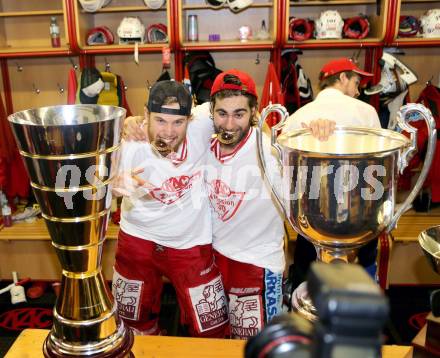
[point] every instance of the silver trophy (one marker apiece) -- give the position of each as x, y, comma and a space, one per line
429, 343
340, 193
69, 152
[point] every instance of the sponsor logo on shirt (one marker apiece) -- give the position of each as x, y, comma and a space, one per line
224, 201
272, 294
174, 188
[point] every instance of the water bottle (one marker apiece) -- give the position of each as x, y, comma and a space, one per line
193, 28
54, 32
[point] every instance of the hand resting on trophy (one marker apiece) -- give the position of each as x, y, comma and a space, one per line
320, 128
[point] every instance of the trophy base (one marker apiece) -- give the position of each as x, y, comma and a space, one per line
123, 350
427, 341
302, 304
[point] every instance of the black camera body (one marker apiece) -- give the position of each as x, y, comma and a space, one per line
351, 312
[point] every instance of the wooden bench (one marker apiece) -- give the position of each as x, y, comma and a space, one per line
30, 341
26, 248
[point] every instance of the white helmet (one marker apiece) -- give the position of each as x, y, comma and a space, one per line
131, 30
238, 5
154, 4
329, 25
430, 23
93, 5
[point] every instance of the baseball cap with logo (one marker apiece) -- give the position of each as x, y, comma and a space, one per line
341, 65
91, 85
247, 84
164, 89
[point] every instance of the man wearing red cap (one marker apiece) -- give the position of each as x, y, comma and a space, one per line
248, 227
336, 104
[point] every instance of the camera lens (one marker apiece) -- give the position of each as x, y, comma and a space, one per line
283, 337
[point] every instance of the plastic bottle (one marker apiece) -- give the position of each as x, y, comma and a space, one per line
54, 32
7, 219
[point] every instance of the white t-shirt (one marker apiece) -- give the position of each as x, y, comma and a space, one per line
247, 224
332, 104
178, 215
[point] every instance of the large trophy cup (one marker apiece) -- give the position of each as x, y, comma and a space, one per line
427, 342
340, 193
68, 152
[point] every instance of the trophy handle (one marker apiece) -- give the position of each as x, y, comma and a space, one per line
402, 120
273, 140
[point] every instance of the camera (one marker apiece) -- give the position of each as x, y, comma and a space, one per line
351, 312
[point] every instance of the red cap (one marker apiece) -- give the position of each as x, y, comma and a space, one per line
247, 83
340, 65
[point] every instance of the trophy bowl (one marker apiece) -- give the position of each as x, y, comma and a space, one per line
340, 193
429, 241
70, 155
427, 340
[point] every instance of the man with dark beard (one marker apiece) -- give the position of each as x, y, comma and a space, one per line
248, 226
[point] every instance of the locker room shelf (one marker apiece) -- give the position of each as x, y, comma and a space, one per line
331, 3
227, 45
227, 25
307, 9
31, 13
415, 8
124, 9
206, 6
83, 21
24, 28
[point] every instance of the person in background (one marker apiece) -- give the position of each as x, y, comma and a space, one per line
335, 104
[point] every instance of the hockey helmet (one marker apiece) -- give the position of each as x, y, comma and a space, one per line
157, 33
238, 5
93, 5
356, 27
300, 29
154, 4
408, 26
329, 25
430, 23
100, 35
131, 30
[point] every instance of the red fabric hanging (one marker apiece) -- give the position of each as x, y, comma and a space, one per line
14, 180
271, 94
72, 86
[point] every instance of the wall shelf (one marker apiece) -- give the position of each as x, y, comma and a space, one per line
208, 7
414, 8
346, 8
331, 3
31, 13
123, 9
108, 16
